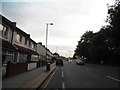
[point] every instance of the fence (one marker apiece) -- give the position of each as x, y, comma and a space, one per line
13, 69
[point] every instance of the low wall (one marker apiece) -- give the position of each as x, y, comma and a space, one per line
31, 66
13, 69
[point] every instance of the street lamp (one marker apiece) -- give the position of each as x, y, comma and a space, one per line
47, 36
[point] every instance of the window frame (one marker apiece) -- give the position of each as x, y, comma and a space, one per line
4, 31
26, 40
18, 37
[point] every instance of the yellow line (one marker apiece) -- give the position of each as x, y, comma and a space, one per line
50, 78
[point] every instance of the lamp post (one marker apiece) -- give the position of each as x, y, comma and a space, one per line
47, 37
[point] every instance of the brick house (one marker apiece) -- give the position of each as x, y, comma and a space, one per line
26, 47
7, 49
16, 47
19, 52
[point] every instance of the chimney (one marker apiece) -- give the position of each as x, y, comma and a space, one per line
40, 43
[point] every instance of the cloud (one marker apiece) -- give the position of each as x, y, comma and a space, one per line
71, 18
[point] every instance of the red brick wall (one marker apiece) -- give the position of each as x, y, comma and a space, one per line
13, 69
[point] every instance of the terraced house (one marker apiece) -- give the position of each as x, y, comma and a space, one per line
17, 48
41, 49
26, 47
6, 35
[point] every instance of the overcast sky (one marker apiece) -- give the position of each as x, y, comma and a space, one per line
71, 19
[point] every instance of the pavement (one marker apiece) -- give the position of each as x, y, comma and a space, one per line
30, 79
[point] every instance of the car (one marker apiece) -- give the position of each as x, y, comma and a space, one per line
79, 62
59, 62
70, 61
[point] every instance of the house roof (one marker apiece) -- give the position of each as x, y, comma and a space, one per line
8, 22
33, 41
22, 32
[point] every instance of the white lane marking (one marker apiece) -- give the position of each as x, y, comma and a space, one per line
62, 74
113, 78
63, 85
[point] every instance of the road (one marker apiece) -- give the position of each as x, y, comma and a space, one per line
83, 76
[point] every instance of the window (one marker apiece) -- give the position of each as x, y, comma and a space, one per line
7, 56
25, 41
18, 38
32, 45
3, 31
1, 28
22, 57
34, 58
29, 44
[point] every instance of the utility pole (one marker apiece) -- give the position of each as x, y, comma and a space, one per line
47, 37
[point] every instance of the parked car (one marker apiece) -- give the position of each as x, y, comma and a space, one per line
70, 61
79, 62
59, 61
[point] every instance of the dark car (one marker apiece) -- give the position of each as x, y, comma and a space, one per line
79, 62
59, 62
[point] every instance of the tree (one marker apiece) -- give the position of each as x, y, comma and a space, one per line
114, 28
113, 19
105, 44
84, 44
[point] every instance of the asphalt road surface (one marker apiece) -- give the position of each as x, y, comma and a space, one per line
72, 75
